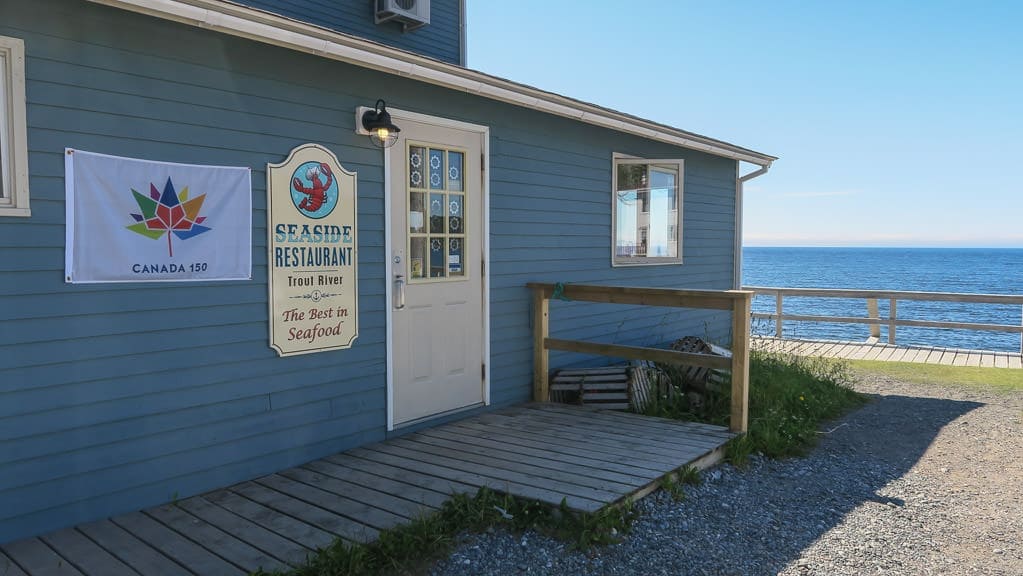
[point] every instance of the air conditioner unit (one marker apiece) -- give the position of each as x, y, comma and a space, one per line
411, 13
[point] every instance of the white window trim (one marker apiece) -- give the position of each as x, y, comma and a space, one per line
617, 159
13, 130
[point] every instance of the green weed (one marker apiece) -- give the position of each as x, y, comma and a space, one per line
789, 398
410, 548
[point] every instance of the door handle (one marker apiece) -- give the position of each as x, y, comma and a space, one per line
399, 287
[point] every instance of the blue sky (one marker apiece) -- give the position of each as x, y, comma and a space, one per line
895, 123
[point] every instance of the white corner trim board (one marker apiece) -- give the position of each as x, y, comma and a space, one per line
288, 33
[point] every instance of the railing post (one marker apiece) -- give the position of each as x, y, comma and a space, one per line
741, 308
777, 310
875, 329
541, 311
891, 321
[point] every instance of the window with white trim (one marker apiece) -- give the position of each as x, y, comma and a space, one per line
13, 134
646, 216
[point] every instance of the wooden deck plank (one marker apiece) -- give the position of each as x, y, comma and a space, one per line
445, 486
85, 554
253, 534
581, 474
357, 513
142, 557
214, 539
185, 552
604, 441
396, 505
426, 499
973, 358
676, 426
883, 352
591, 466
899, 354
38, 559
480, 480
886, 354
520, 472
653, 440
336, 524
874, 351
291, 528
8, 567
935, 356
653, 434
565, 447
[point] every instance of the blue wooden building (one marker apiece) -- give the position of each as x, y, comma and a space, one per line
114, 397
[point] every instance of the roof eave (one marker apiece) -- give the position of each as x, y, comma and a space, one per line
270, 28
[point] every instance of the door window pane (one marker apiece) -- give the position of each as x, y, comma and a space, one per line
436, 258
436, 213
455, 171
455, 257
417, 167
418, 257
436, 169
437, 210
455, 221
416, 213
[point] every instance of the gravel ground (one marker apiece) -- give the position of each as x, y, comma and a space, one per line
924, 480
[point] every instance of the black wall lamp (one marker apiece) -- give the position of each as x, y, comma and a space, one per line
376, 122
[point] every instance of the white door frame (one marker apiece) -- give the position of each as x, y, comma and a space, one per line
389, 191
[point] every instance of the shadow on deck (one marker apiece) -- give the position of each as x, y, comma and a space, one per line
549, 452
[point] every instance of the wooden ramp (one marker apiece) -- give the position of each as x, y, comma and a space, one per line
589, 457
889, 353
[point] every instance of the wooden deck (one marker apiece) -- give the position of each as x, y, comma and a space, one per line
889, 353
549, 452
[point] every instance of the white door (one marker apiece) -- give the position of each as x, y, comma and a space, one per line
436, 271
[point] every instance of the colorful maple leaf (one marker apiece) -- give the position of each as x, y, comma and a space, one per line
168, 213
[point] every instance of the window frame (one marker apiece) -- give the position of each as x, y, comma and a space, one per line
14, 196
629, 261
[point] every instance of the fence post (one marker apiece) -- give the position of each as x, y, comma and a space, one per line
741, 308
777, 310
891, 322
541, 312
875, 329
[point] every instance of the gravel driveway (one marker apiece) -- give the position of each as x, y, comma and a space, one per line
924, 480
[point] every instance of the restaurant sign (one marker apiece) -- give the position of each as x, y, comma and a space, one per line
313, 255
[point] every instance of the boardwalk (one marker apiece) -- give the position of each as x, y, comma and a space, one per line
888, 353
548, 452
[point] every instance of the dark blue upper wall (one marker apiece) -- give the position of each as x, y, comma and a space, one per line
440, 39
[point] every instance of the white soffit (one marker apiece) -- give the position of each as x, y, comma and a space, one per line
237, 20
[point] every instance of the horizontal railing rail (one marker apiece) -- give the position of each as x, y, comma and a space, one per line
893, 321
736, 301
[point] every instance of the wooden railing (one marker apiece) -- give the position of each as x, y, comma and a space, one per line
736, 301
892, 321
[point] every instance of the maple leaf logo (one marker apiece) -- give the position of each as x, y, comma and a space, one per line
168, 213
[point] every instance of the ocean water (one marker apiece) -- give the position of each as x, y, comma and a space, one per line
968, 270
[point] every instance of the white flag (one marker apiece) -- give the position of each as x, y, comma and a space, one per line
134, 220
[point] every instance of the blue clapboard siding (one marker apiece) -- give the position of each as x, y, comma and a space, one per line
115, 397
439, 39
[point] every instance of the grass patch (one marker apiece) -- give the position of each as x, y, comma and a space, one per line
1004, 379
789, 398
412, 547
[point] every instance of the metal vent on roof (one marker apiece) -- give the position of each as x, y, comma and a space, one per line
411, 13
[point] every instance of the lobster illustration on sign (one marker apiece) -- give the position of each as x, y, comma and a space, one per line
316, 194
